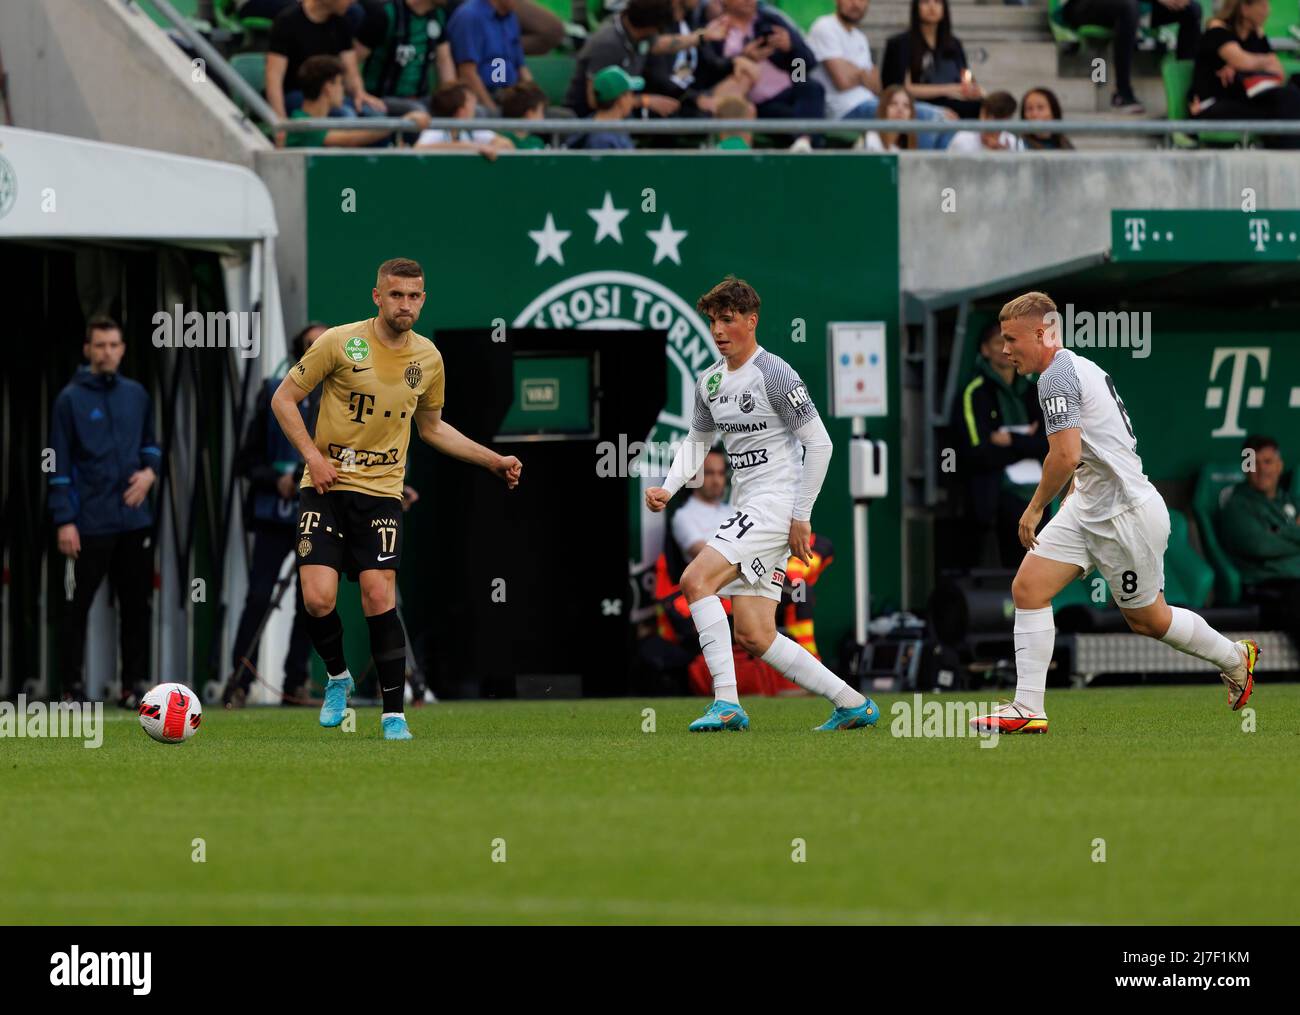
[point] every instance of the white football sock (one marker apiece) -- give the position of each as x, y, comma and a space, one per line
1035, 637
792, 660
715, 642
1188, 632
389, 715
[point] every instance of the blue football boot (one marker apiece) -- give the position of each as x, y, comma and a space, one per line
866, 714
722, 715
337, 693
395, 728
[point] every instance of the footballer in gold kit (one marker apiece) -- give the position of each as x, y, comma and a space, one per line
380, 378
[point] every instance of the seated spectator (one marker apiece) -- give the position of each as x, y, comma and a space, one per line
321, 81
1042, 104
765, 36
1259, 527
399, 43
1237, 75
486, 46
1121, 16
697, 76
540, 30
314, 28
1002, 442
454, 100
735, 107
931, 62
995, 106
895, 104
621, 42
849, 77
707, 507
524, 101
616, 93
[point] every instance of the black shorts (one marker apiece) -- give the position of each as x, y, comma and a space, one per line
349, 531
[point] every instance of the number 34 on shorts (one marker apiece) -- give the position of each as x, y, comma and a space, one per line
757, 540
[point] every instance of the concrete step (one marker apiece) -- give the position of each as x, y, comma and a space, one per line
973, 23
1112, 142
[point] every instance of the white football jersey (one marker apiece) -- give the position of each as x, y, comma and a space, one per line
757, 408
1075, 392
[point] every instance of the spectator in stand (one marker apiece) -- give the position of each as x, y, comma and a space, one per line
1042, 104
1121, 16
895, 104
1260, 529
487, 48
623, 42
314, 28
540, 30
524, 101
995, 106
454, 101
707, 507
105, 462
1238, 76
1001, 426
321, 81
399, 43
616, 93
931, 62
735, 107
767, 37
697, 76
849, 77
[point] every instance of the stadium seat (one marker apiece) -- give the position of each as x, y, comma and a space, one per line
252, 68
1212, 487
1064, 33
1177, 77
1283, 16
553, 73
804, 12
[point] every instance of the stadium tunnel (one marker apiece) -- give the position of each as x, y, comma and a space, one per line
117, 230
1212, 303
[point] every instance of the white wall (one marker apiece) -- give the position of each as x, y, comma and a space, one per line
102, 70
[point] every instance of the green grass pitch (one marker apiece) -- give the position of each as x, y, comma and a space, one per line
605, 823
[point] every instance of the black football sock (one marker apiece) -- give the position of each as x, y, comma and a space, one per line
326, 635
388, 647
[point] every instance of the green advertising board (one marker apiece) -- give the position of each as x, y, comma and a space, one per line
1201, 236
619, 242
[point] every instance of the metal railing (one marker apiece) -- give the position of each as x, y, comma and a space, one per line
257, 105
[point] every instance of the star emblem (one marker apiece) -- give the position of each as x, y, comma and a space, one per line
607, 219
549, 241
666, 240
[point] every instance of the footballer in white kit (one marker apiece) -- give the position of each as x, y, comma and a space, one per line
779, 451
1112, 519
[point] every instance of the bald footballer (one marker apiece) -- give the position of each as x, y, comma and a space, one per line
379, 378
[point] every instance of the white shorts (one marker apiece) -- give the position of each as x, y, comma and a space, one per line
758, 539
1128, 549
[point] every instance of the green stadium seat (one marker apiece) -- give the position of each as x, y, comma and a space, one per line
252, 68
1177, 77
1213, 484
553, 73
1064, 33
1283, 16
805, 12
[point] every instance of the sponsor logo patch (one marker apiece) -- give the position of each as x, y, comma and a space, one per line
748, 459
797, 396
778, 577
712, 384
355, 456
356, 349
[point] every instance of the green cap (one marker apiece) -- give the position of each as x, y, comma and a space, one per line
610, 82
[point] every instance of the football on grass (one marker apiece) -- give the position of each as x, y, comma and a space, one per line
171, 713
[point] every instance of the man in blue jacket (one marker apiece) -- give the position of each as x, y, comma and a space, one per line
105, 462
273, 468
